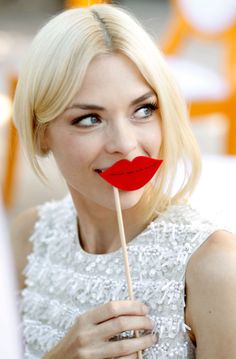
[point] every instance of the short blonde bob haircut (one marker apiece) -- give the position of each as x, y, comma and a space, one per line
53, 73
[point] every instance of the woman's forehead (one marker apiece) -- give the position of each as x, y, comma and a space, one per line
112, 74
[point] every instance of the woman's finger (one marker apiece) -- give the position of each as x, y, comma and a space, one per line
113, 309
128, 347
121, 324
133, 356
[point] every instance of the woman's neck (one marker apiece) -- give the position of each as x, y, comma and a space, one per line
98, 226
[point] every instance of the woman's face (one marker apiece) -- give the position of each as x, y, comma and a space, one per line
114, 116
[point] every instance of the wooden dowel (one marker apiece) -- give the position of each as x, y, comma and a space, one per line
125, 253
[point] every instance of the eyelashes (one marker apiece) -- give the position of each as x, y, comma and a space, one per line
78, 120
93, 119
151, 106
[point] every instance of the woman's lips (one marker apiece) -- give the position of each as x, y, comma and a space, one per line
130, 176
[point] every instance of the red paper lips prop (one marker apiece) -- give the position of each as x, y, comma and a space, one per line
130, 176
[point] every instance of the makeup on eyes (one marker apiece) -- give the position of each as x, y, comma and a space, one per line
152, 106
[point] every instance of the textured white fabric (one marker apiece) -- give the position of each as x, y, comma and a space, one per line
64, 281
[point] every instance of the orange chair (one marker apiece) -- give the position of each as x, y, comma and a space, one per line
206, 91
83, 3
12, 147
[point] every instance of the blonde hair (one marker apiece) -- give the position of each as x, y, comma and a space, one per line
54, 70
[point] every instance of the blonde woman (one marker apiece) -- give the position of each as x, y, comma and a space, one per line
95, 89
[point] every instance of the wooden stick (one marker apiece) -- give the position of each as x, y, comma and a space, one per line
125, 254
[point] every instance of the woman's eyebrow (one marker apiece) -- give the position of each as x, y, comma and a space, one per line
84, 106
146, 96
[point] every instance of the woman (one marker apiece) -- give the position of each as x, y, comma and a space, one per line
94, 89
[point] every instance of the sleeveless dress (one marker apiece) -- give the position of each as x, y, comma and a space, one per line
63, 281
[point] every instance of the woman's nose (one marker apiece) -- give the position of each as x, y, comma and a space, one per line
121, 138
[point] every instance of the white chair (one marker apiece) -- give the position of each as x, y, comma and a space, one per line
215, 195
10, 341
206, 91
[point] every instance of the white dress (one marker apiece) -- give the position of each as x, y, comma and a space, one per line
64, 281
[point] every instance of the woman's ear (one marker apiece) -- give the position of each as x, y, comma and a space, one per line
42, 142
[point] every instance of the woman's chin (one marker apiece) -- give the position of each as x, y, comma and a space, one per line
130, 199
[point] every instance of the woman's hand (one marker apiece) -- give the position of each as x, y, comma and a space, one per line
90, 335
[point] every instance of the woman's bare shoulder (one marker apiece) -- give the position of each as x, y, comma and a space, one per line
21, 229
211, 295
219, 246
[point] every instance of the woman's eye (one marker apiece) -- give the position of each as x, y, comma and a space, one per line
86, 121
145, 111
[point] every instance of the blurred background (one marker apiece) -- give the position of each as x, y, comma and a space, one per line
209, 94
198, 38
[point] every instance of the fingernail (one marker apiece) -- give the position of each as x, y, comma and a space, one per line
153, 324
145, 309
154, 338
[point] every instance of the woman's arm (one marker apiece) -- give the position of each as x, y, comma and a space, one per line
22, 229
211, 295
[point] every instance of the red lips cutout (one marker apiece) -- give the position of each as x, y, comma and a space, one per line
130, 176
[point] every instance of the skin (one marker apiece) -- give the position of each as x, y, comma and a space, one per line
211, 272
